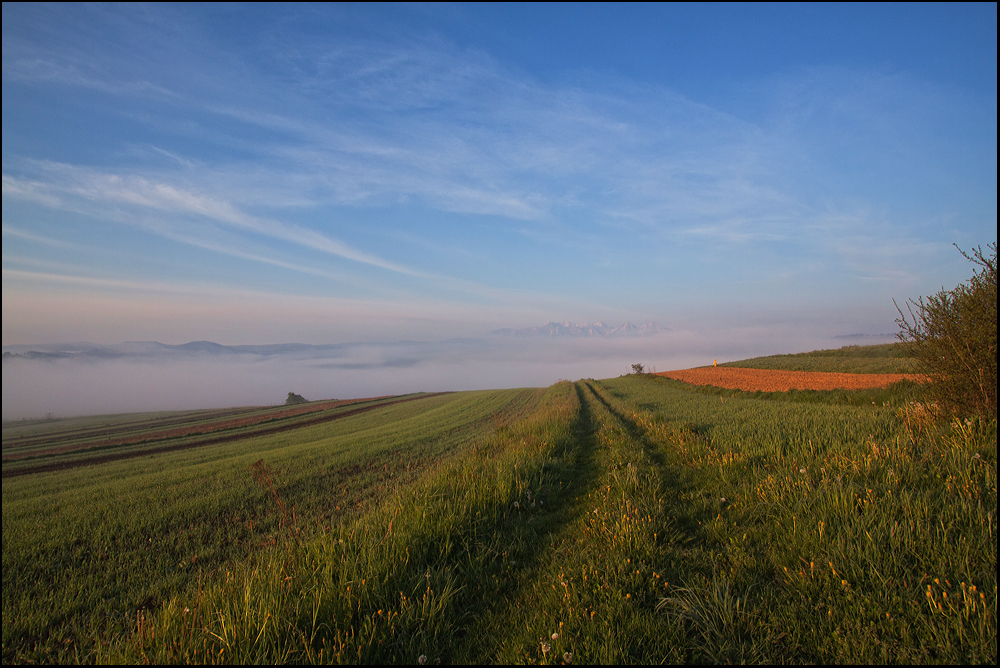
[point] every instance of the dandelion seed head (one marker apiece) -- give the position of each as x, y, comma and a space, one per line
422, 659
546, 647
568, 657
555, 636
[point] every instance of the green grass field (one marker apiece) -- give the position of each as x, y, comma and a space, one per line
632, 520
883, 358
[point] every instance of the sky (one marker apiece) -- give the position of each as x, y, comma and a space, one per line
773, 176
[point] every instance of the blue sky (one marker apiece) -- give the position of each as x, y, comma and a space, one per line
265, 174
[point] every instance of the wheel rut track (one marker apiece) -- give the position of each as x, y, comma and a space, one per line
103, 459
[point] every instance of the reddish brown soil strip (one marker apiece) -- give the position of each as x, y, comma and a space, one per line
105, 430
770, 380
178, 432
101, 459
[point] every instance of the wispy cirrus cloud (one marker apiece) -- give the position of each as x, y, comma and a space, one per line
73, 184
370, 123
166, 211
429, 161
367, 122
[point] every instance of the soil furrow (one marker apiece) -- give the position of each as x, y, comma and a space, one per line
771, 380
59, 466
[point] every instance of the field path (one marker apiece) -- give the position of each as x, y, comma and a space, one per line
771, 380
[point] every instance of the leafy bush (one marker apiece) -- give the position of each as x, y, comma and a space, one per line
953, 334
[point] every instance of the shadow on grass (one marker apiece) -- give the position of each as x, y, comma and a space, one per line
682, 493
574, 474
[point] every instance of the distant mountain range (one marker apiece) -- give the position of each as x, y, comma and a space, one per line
406, 349
601, 329
154, 349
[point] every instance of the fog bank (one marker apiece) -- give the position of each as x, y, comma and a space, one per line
76, 380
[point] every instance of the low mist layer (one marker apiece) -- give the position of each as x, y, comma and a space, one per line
84, 379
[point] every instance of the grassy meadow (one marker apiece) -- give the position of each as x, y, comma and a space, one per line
881, 358
634, 519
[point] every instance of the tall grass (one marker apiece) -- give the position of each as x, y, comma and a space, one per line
632, 520
846, 536
88, 551
399, 584
639, 521
882, 358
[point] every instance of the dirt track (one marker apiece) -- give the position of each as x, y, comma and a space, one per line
768, 380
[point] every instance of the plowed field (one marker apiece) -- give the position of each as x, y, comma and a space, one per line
768, 380
271, 423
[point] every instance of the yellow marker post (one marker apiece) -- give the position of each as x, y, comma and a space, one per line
715, 362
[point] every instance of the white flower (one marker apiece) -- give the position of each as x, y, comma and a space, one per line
422, 659
555, 636
568, 657
546, 647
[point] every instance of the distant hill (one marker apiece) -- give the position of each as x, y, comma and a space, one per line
396, 352
882, 358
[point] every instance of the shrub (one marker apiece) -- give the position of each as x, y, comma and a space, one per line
953, 335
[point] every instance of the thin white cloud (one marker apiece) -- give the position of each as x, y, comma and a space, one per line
38, 304
10, 231
103, 188
502, 145
53, 72
421, 122
87, 191
21, 275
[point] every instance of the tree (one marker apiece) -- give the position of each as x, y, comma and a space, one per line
638, 368
953, 335
294, 399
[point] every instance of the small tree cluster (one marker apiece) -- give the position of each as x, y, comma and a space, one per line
294, 399
638, 368
953, 334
